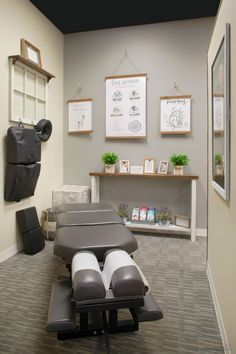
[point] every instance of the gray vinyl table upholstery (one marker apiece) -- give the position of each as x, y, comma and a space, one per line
83, 207
80, 218
94, 227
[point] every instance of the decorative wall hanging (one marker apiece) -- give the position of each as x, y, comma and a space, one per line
30, 52
220, 95
80, 116
126, 106
218, 113
175, 114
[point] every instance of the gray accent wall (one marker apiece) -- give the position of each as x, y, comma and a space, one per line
168, 52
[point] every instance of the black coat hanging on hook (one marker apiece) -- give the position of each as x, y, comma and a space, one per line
23, 151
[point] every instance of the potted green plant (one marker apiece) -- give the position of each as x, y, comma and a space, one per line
109, 159
179, 161
123, 212
218, 164
163, 216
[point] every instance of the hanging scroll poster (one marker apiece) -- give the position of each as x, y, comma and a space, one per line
175, 115
126, 107
80, 116
218, 113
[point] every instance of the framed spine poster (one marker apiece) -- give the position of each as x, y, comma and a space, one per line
80, 116
175, 115
126, 107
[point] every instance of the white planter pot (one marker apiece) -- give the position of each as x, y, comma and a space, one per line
219, 170
110, 168
164, 222
178, 170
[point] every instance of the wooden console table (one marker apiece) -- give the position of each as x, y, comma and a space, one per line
95, 198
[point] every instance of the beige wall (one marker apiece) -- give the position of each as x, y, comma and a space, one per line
20, 19
222, 214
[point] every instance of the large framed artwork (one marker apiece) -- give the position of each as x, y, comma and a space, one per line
126, 106
220, 96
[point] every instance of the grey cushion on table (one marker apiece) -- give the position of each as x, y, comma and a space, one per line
126, 281
88, 218
61, 314
82, 207
151, 311
95, 238
88, 284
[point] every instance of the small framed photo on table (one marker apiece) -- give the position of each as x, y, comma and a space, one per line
30, 52
149, 165
135, 214
182, 221
163, 167
124, 166
143, 213
151, 215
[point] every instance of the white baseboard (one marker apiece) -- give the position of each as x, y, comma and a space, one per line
201, 232
10, 252
218, 312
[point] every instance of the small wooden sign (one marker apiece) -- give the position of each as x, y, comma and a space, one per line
182, 221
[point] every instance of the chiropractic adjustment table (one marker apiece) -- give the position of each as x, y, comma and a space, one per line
103, 279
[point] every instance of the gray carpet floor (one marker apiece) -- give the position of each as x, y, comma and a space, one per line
175, 270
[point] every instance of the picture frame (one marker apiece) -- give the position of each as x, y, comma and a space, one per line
220, 117
143, 214
151, 215
124, 166
80, 116
163, 167
126, 107
30, 52
149, 165
135, 214
175, 115
183, 221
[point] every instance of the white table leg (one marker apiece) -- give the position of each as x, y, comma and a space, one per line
193, 209
95, 189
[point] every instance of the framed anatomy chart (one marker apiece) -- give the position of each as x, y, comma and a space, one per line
175, 115
126, 107
80, 116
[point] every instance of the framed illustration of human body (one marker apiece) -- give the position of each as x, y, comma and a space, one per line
220, 96
175, 115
